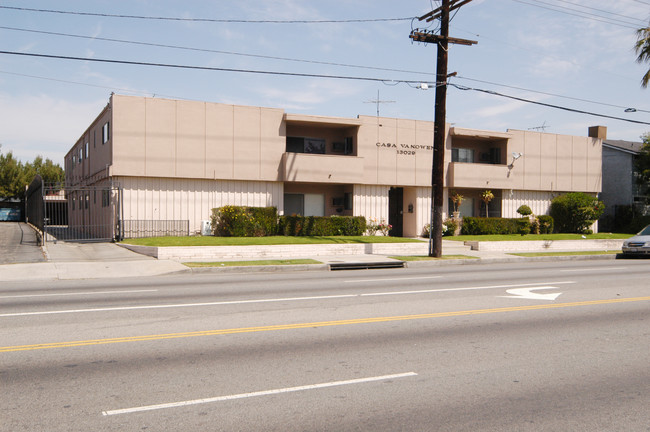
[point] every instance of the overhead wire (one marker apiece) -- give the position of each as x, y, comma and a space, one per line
212, 20
491, 92
581, 15
180, 47
278, 73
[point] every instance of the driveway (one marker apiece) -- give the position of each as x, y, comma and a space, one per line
19, 244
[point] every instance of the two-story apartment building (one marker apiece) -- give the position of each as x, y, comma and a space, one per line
177, 160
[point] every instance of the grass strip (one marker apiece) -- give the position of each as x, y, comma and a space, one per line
574, 253
252, 263
428, 258
543, 237
257, 241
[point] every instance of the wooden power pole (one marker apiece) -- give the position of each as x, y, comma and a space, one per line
440, 114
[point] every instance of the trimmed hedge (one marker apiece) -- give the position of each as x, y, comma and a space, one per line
546, 224
238, 221
484, 226
322, 226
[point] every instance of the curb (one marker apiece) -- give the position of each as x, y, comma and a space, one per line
407, 264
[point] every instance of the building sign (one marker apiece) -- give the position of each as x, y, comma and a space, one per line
404, 149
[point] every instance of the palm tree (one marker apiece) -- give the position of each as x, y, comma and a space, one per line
642, 48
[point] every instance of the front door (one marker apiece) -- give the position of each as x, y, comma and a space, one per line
396, 211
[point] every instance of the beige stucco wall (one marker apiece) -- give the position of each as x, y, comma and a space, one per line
188, 139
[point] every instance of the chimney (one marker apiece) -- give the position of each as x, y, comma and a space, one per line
598, 132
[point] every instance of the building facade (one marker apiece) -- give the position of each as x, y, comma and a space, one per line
177, 160
621, 189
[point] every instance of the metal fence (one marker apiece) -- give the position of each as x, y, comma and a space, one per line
34, 203
155, 228
85, 213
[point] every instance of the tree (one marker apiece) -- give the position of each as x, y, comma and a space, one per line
642, 48
642, 161
487, 196
16, 176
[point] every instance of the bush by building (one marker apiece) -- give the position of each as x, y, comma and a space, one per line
238, 221
575, 212
322, 226
486, 226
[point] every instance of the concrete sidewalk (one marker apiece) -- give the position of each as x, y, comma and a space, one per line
67, 261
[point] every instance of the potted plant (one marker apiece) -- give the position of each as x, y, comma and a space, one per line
457, 199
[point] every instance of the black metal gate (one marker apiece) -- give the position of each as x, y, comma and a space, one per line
82, 213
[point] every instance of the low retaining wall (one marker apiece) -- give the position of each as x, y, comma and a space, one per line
545, 245
215, 253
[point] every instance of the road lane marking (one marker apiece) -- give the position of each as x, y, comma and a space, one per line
286, 299
392, 279
464, 288
587, 269
78, 293
525, 293
296, 326
258, 393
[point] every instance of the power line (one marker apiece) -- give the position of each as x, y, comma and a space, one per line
180, 47
550, 94
206, 68
459, 87
582, 15
599, 10
212, 20
276, 73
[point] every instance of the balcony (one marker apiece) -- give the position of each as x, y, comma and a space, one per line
319, 168
478, 175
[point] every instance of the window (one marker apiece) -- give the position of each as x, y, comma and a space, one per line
305, 145
86, 151
462, 155
304, 204
105, 133
80, 158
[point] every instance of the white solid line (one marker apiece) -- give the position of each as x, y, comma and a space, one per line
166, 306
78, 293
392, 279
236, 302
593, 269
464, 288
255, 394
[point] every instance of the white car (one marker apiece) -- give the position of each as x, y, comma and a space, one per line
639, 244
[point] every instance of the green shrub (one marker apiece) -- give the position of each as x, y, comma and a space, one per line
485, 226
238, 221
448, 228
524, 210
322, 226
575, 212
546, 224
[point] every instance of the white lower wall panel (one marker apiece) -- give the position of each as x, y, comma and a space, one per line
148, 198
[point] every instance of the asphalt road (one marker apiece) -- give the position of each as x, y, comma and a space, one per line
517, 347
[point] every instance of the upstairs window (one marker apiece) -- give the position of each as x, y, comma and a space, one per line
305, 145
462, 155
105, 133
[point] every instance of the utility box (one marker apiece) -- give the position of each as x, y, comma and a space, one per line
206, 228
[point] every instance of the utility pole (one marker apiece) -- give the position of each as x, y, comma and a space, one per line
440, 114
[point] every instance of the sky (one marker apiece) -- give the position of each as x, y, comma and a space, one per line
576, 54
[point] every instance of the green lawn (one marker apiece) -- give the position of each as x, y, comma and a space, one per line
575, 253
272, 240
518, 237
